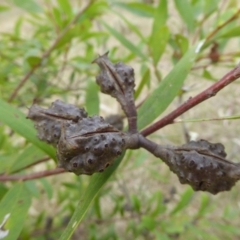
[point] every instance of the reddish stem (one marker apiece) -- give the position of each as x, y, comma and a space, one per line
46, 173
191, 102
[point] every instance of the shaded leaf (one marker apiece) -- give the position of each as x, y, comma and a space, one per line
140, 9
96, 183
186, 12
160, 16
30, 155
29, 5
4, 8
205, 202
233, 32
184, 201
144, 81
66, 7
124, 41
33, 57
92, 98
6, 162
17, 121
158, 43
13, 211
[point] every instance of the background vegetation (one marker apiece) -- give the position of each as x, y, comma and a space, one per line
46, 50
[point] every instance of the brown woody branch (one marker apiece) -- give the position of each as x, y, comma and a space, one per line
235, 16
191, 102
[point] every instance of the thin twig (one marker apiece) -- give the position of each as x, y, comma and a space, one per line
235, 16
33, 164
204, 95
46, 173
47, 53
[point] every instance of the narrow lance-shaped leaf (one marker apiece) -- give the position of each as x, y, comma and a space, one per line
92, 98
137, 8
160, 15
184, 201
30, 155
30, 5
124, 41
167, 90
13, 210
186, 12
144, 81
17, 121
158, 42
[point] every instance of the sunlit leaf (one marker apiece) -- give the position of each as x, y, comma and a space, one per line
140, 9
28, 5
168, 89
158, 42
186, 12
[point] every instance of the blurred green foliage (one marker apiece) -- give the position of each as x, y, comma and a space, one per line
46, 54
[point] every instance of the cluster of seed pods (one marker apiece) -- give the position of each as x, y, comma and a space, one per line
86, 145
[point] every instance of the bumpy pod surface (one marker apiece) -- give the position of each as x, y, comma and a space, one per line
118, 81
85, 145
115, 78
48, 121
203, 166
90, 146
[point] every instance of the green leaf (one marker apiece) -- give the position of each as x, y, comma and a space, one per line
13, 211
28, 5
137, 8
96, 183
204, 205
47, 187
186, 12
233, 32
158, 43
30, 155
184, 200
124, 41
92, 98
168, 89
160, 15
134, 28
144, 81
17, 121
33, 57
66, 7
4, 8
6, 161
